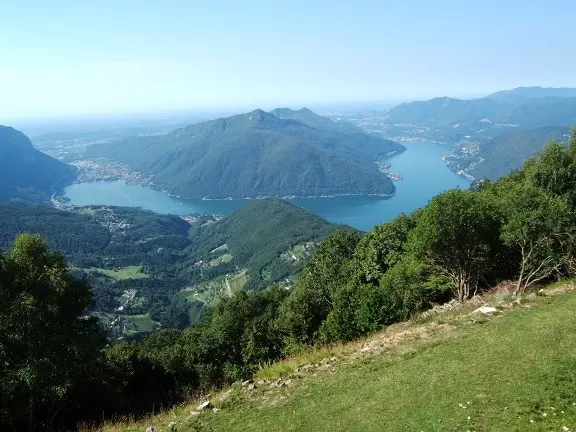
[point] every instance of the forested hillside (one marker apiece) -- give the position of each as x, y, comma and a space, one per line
139, 262
258, 234
255, 155
26, 174
506, 153
519, 229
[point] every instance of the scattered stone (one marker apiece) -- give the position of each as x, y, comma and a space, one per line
215, 410
194, 413
246, 383
288, 382
451, 305
564, 429
333, 359
261, 382
251, 386
365, 349
152, 429
203, 406
280, 383
486, 310
172, 427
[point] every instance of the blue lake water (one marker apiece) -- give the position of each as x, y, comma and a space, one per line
424, 175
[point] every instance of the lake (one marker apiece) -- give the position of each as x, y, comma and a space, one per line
424, 175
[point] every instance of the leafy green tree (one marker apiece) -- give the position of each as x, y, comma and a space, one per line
537, 226
238, 335
554, 170
312, 297
45, 344
382, 248
361, 308
458, 235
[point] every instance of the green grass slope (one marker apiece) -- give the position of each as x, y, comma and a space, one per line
515, 371
504, 373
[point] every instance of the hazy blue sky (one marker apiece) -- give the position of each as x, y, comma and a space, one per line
77, 57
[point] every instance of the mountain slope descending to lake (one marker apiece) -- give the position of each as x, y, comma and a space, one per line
508, 152
26, 173
442, 111
452, 370
254, 155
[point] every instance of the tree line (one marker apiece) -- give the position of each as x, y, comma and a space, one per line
56, 369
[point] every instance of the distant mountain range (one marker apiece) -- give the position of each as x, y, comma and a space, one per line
514, 108
260, 154
492, 135
525, 93
28, 174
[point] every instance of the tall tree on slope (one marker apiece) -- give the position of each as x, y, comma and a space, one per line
44, 344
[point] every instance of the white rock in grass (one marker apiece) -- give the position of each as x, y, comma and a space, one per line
203, 406
486, 310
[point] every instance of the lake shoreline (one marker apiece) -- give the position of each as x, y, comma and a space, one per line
421, 166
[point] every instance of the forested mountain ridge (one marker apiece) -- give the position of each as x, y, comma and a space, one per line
310, 118
258, 233
445, 112
255, 155
520, 94
26, 173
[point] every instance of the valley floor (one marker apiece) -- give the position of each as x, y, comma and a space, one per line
453, 370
